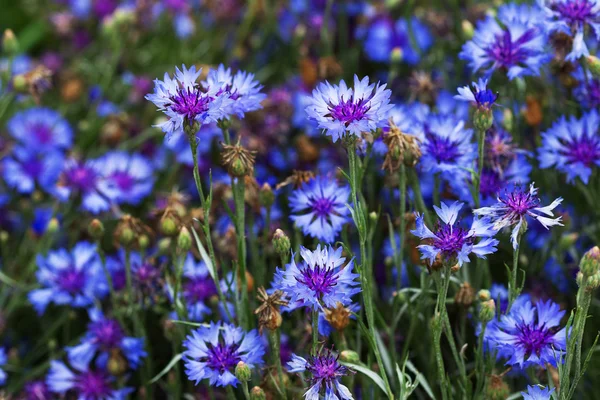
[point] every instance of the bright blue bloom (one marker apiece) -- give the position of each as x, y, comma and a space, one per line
340, 110
572, 17
454, 243
383, 36
86, 383
529, 335
184, 25
499, 293
242, 89
513, 42
197, 288
572, 146
493, 182
587, 92
537, 393
558, 275
41, 130
185, 101
320, 208
3, 360
72, 278
325, 375
478, 94
512, 208
41, 218
129, 175
104, 336
24, 169
320, 280
213, 351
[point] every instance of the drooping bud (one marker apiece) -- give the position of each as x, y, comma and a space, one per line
96, 229
243, 372
465, 295
257, 394
338, 317
184, 240
487, 310
238, 161
266, 195
10, 44
594, 65
350, 356
590, 262
281, 243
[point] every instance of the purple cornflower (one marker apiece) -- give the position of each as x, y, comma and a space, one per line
72, 278
86, 383
478, 94
572, 17
587, 91
213, 351
454, 243
37, 390
104, 336
129, 176
319, 208
572, 146
185, 101
537, 393
325, 375
529, 335
512, 208
340, 110
514, 41
41, 129
243, 90
320, 280
24, 170
197, 288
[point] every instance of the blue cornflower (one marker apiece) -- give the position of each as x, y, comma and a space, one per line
383, 37
213, 351
447, 146
3, 360
512, 208
86, 179
320, 280
454, 243
198, 286
587, 91
514, 41
572, 17
242, 89
493, 182
325, 375
129, 175
41, 218
41, 130
319, 208
24, 169
572, 146
72, 278
529, 335
185, 101
478, 94
85, 383
105, 336
340, 110
537, 393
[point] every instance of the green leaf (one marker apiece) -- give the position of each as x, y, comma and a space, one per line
194, 324
166, 369
204, 255
366, 371
420, 378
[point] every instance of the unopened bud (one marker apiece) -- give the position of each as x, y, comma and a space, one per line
168, 225
396, 55
483, 119
373, 216
594, 65
590, 262
568, 240
164, 246
19, 84
242, 372
467, 29
507, 119
350, 356
184, 240
10, 44
126, 236
593, 282
96, 229
4, 236
281, 243
117, 364
266, 195
144, 241
257, 394
487, 311
497, 389
53, 226
484, 295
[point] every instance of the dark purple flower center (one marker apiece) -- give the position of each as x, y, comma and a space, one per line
199, 289
575, 11
71, 280
485, 98
42, 133
507, 53
81, 177
119, 279
190, 102
451, 239
534, 338
348, 111
107, 333
33, 167
93, 385
222, 357
318, 279
441, 148
123, 180
584, 149
520, 201
146, 274
322, 206
491, 184
326, 367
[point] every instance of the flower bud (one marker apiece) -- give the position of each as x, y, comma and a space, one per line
487, 310
465, 295
117, 364
143, 242
164, 246
242, 372
257, 394
96, 229
281, 243
396, 55
483, 118
238, 161
168, 225
497, 389
484, 295
53, 226
184, 240
350, 356
126, 236
19, 83
266, 195
593, 282
10, 44
590, 262
338, 317
594, 65
507, 119
568, 240
467, 29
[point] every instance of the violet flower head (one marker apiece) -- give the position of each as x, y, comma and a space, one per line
325, 375
513, 207
197, 288
25, 170
185, 101
41, 129
572, 146
319, 208
572, 17
340, 110
529, 335
129, 176
37, 390
320, 280
514, 42
478, 94
213, 351
454, 243
537, 392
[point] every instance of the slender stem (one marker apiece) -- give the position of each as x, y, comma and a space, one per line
315, 331
177, 289
480, 152
238, 196
402, 232
414, 178
513, 292
480, 361
443, 282
245, 390
436, 189
230, 393
274, 340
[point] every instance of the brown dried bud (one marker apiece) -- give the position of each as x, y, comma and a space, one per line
296, 179
237, 160
128, 229
423, 87
465, 295
308, 152
268, 312
497, 389
402, 149
455, 268
329, 68
71, 90
308, 72
37, 81
338, 317
533, 111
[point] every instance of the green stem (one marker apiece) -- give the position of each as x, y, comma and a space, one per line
402, 232
414, 180
315, 331
238, 196
443, 282
513, 291
275, 352
245, 390
480, 362
480, 152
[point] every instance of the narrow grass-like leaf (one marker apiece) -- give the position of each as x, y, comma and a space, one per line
166, 369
